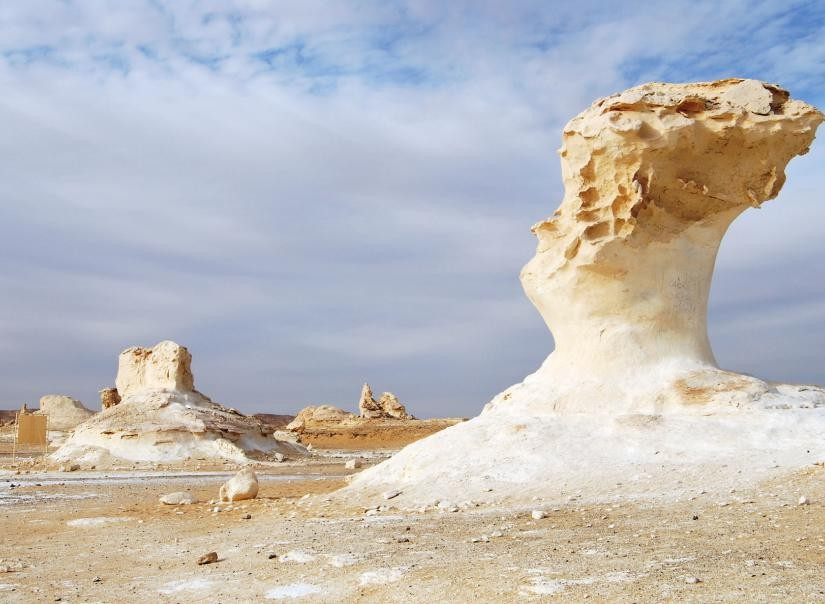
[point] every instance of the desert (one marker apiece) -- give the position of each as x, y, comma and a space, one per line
275, 324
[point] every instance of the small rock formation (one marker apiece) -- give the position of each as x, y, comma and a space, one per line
243, 485
353, 464
64, 412
109, 397
653, 177
209, 558
386, 407
162, 418
392, 407
367, 406
314, 415
178, 498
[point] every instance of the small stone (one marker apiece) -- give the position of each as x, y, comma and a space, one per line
538, 514
390, 494
272, 556
209, 558
692, 580
402, 539
353, 464
178, 498
695, 517
804, 500
246, 517
96, 580
279, 457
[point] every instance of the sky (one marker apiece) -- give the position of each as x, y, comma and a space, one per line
310, 195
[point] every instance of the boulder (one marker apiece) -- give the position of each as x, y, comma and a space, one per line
109, 397
64, 412
244, 485
178, 498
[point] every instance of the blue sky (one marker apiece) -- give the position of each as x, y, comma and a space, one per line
313, 194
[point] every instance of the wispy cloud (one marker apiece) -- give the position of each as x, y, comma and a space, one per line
311, 194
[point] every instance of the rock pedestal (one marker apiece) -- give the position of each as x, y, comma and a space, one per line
632, 397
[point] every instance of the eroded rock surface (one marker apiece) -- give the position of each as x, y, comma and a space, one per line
653, 178
109, 397
632, 394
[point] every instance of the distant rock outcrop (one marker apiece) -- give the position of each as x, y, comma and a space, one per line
162, 418
64, 412
321, 414
388, 406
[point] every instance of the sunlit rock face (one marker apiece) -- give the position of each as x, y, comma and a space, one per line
653, 178
631, 403
166, 366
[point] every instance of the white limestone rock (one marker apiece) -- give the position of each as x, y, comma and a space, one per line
632, 399
178, 498
166, 366
312, 416
244, 485
64, 412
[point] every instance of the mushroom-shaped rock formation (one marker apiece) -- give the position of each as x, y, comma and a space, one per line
162, 418
653, 178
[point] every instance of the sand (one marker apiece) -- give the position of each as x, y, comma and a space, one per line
92, 536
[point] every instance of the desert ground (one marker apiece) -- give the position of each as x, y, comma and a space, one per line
103, 536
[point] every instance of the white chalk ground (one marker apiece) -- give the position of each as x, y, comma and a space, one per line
513, 459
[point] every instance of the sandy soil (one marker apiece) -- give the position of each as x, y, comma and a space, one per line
373, 434
103, 537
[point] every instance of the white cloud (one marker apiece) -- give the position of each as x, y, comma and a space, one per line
374, 188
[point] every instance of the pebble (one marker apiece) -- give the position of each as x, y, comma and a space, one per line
352, 464
803, 500
390, 494
246, 517
178, 498
692, 580
538, 514
209, 558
